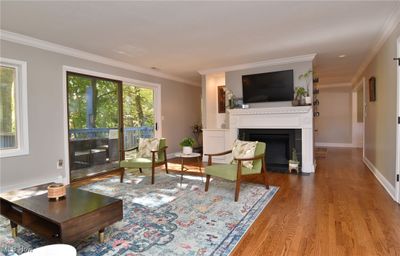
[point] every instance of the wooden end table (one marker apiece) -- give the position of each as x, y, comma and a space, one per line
79, 214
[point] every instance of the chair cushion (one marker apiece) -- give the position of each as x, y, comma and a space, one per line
244, 149
146, 145
227, 171
139, 162
163, 143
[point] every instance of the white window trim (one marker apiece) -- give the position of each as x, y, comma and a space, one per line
21, 109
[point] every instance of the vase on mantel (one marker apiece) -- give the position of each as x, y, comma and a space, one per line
302, 101
308, 100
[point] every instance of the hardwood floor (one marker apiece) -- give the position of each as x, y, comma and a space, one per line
340, 210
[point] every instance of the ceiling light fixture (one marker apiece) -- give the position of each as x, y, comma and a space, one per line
342, 55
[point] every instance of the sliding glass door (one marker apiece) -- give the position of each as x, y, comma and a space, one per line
107, 117
138, 115
94, 113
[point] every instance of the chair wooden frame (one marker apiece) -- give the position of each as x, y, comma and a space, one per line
239, 170
154, 164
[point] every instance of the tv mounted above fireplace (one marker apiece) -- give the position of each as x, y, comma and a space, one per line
267, 87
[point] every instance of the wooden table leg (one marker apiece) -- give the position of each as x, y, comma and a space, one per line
181, 169
199, 163
14, 229
181, 164
101, 235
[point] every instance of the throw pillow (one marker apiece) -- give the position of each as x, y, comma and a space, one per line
148, 145
244, 149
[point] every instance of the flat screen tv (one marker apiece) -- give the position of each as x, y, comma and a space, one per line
267, 87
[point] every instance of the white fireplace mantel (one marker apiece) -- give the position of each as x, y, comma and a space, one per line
277, 118
271, 110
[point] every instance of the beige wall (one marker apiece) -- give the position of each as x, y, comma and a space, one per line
180, 109
334, 123
381, 117
213, 118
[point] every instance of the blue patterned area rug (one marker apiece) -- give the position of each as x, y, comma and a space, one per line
168, 218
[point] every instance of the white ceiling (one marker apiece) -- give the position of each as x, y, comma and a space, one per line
180, 38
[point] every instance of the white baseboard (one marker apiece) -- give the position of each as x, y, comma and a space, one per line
334, 145
384, 182
31, 183
172, 155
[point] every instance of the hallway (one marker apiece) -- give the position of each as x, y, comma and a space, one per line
340, 210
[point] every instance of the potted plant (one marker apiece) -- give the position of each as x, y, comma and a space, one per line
294, 162
187, 145
231, 98
300, 95
197, 130
307, 76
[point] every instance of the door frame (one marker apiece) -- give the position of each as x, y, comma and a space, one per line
398, 125
361, 84
364, 103
364, 115
157, 105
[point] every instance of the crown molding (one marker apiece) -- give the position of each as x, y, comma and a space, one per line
272, 62
326, 86
388, 27
57, 48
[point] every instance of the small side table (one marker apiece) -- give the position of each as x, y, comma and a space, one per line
186, 156
53, 249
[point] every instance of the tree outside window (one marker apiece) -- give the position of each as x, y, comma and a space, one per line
13, 108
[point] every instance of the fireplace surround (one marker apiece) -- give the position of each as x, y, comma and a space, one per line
280, 144
298, 118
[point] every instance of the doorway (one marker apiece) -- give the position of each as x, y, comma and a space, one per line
358, 107
106, 115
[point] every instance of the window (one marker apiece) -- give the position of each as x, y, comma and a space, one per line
13, 108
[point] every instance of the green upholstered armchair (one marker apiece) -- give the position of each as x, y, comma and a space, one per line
235, 172
150, 162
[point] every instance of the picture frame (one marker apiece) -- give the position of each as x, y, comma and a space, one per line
221, 97
372, 89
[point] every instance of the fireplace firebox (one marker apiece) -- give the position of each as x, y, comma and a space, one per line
280, 145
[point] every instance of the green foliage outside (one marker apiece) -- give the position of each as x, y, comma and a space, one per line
7, 100
137, 104
77, 86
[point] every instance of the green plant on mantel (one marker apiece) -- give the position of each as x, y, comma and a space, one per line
231, 98
300, 92
306, 76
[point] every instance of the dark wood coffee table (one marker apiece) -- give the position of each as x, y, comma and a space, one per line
79, 214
